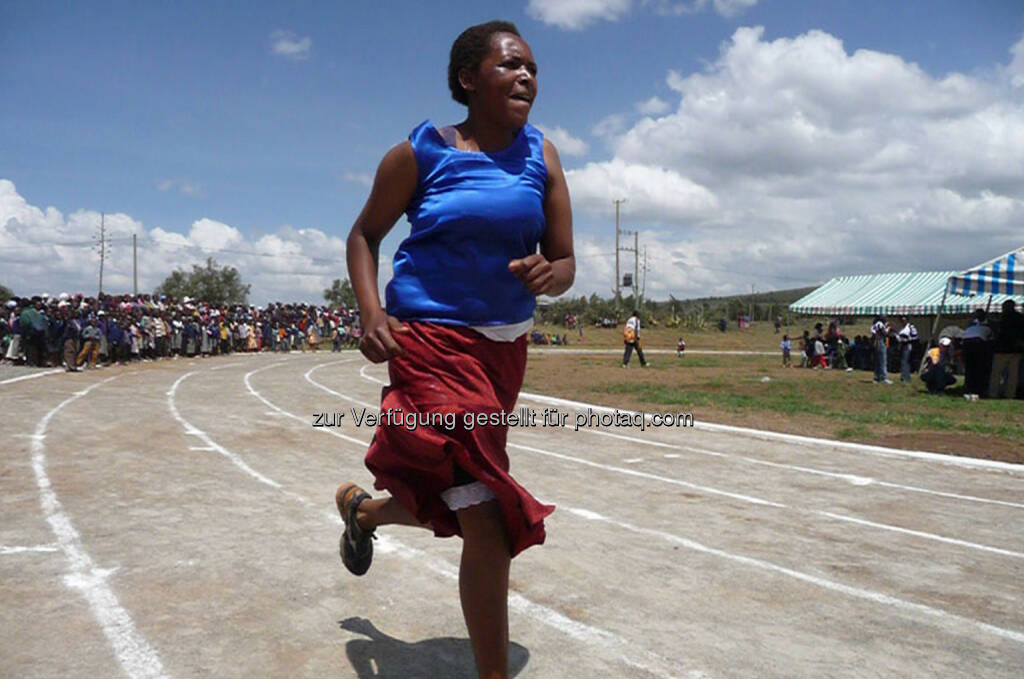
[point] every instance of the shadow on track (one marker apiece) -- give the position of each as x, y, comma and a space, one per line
380, 656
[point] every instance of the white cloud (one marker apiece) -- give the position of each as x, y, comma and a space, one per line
182, 186
790, 161
610, 126
730, 8
574, 15
361, 178
1016, 68
41, 250
290, 46
566, 144
653, 193
653, 106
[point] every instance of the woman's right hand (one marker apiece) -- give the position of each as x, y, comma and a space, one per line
377, 343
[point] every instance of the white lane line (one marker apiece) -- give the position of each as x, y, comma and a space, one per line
857, 592
765, 565
921, 534
194, 431
33, 376
625, 651
714, 491
137, 658
646, 475
6, 550
306, 420
310, 379
618, 352
856, 480
371, 378
951, 460
227, 365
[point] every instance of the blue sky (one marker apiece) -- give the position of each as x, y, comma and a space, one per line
766, 143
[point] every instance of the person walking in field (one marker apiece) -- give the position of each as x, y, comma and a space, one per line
786, 345
481, 197
631, 338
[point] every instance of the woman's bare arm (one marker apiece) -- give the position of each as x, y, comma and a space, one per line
393, 188
553, 270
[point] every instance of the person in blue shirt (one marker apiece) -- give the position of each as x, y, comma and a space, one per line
116, 340
491, 229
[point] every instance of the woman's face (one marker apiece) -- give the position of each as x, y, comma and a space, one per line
505, 85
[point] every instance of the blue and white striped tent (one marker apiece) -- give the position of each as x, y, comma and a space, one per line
1001, 276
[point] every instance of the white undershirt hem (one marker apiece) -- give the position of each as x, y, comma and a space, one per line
504, 333
460, 497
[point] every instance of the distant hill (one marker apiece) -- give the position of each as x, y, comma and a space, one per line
694, 312
774, 297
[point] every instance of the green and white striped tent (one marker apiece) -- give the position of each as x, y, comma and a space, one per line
913, 294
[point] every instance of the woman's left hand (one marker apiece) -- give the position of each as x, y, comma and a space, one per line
535, 272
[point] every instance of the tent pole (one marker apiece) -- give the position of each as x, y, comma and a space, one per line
988, 305
938, 314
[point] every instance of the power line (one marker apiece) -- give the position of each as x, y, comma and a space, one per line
63, 244
331, 260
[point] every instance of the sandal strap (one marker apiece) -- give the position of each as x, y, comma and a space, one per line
351, 507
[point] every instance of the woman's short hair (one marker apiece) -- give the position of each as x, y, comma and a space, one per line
469, 50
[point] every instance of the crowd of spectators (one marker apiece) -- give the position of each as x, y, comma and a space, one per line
981, 353
75, 331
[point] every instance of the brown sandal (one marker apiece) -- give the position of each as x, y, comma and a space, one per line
356, 545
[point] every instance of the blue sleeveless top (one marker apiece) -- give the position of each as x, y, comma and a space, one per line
472, 213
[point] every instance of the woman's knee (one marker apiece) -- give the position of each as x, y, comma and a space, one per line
483, 526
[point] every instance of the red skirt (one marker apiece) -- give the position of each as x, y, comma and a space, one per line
451, 370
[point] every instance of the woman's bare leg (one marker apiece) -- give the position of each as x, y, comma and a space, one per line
381, 511
483, 586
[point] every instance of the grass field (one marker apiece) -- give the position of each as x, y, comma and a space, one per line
756, 391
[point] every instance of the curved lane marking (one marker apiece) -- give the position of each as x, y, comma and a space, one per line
136, 656
210, 444
32, 376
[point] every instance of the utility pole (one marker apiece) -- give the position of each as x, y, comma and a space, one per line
636, 268
102, 244
631, 277
135, 264
618, 279
643, 288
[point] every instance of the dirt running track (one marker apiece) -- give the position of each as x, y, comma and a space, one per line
176, 520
